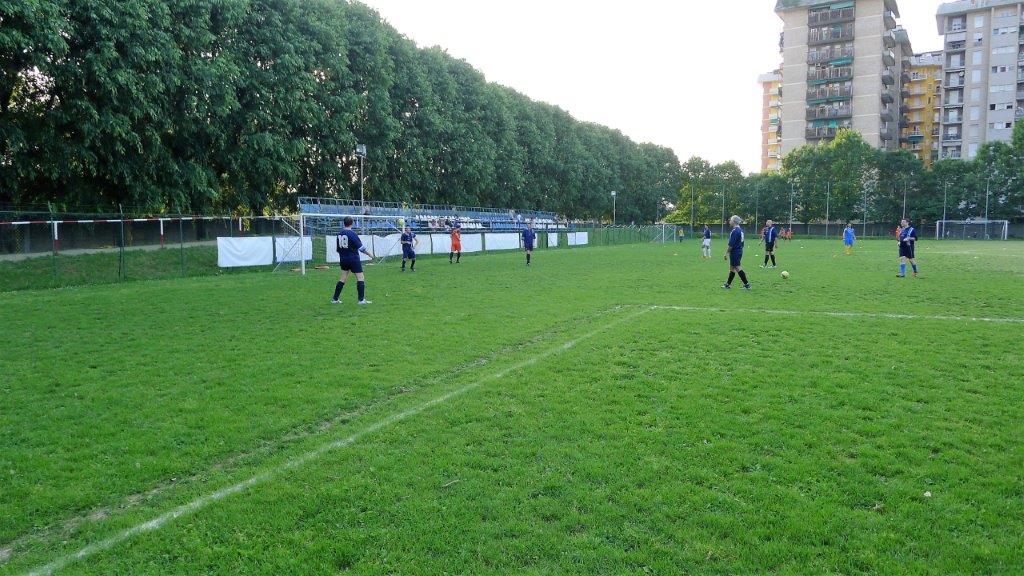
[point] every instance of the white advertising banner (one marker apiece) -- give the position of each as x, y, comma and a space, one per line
579, 238
502, 241
287, 248
442, 243
238, 252
331, 243
472, 243
553, 240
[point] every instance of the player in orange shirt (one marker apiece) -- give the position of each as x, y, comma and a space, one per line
456, 253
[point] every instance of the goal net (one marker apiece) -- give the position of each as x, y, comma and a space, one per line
972, 229
380, 234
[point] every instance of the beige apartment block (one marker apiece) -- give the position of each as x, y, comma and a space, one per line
771, 121
842, 68
983, 73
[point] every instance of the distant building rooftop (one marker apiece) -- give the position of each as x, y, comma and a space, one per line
963, 7
927, 59
786, 5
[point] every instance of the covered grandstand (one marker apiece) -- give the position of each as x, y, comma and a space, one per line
432, 217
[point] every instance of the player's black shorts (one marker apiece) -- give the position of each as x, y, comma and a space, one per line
355, 266
735, 257
408, 254
528, 247
906, 250
769, 246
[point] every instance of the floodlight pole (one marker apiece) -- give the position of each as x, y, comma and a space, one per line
792, 194
723, 212
614, 194
828, 204
757, 205
864, 225
904, 198
988, 189
693, 221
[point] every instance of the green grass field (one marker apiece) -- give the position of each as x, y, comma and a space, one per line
608, 411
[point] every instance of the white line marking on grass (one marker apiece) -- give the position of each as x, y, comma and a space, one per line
882, 315
303, 459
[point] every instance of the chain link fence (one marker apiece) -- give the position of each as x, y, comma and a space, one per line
42, 250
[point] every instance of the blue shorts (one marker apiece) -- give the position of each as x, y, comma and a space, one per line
528, 247
848, 242
408, 254
735, 257
354, 266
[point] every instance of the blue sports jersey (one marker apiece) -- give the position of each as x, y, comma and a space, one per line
407, 240
707, 233
349, 245
848, 235
529, 237
736, 239
770, 234
909, 235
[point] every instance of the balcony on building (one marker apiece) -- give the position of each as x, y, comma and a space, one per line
825, 93
822, 17
821, 133
1019, 113
830, 35
829, 112
1020, 95
830, 74
887, 97
952, 138
888, 40
887, 78
888, 58
887, 134
956, 46
886, 114
904, 122
904, 77
890, 20
915, 137
952, 153
955, 25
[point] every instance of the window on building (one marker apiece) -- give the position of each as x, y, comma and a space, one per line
976, 57
972, 151
979, 38
975, 113
1003, 31
1000, 69
997, 88
975, 75
1004, 50
975, 132
979, 21
976, 95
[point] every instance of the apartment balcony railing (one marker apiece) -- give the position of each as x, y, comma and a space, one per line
830, 35
822, 132
904, 77
888, 58
890, 20
957, 46
888, 79
954, 83
831, 16
952, 154
952, 138
887, 97
831, 74
829, 112
1020, 95
829, 93
1019, 113
887, 134
954, 120
956, 27
954, 65
829, 55
886, 115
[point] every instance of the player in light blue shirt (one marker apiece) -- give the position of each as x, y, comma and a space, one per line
849, 237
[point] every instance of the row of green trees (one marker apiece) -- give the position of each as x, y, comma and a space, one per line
243, 105
847, 179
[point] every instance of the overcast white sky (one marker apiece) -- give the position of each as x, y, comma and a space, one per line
679, 73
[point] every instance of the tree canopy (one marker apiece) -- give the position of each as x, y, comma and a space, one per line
243, 105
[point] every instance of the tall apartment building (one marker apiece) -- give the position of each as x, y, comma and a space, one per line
771, 121
842, 68
983, 83
924, 106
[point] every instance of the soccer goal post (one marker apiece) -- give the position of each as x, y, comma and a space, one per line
380, 234
972, 230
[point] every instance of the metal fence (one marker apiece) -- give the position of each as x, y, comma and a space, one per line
44, 251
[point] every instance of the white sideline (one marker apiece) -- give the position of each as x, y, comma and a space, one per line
301, 460
882, 315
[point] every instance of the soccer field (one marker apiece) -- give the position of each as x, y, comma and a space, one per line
607, 411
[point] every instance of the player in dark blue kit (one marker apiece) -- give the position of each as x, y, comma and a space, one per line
705, 245
409, 243
908, 240
769, 237
349, 246
734, 254
529, 241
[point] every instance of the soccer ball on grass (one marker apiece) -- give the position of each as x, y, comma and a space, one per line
785, 275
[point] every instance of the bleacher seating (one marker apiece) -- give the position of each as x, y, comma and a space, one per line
428, 217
